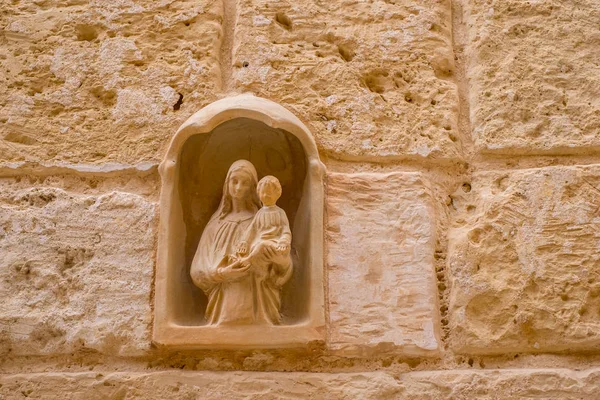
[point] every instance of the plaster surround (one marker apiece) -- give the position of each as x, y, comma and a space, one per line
192, 174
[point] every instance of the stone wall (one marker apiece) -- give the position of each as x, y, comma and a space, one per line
461, 140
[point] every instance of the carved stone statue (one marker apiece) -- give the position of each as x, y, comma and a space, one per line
243, 258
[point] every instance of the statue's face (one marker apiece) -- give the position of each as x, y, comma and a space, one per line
239, 185
268, 196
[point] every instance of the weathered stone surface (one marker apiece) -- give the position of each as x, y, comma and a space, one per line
75, 271
501, 384
533, 72
524, 263
119, 76
380, 247
205, 385
372, 79
464, 384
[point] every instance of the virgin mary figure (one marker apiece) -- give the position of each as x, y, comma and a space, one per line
236, 293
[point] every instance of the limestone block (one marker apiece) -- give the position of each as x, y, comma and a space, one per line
524, 262
119, 76
381, 231
504, 384
455, 385
534, 81
201, 385
371, 79
75, 271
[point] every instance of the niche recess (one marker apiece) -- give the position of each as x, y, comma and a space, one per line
193, 172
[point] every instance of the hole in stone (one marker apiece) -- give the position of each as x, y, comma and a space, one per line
107, 97
20, 137
474, 235
466, 187
284, 20
177, 105
245, 64
86, 32
376, 80
346, 52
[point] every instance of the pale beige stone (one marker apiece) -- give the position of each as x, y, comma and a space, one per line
543, 383
533, 74
75, 271
523, 261
381, 231
91, 92
454, 385
243, 258
193, 171
371, 79
72, 70
201, 385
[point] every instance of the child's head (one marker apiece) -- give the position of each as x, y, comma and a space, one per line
269, 190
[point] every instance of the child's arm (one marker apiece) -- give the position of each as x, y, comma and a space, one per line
285, 240
248, 235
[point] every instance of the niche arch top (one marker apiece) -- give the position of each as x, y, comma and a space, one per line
178, 322
242, 106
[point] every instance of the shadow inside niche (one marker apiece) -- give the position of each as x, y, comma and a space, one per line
205, 160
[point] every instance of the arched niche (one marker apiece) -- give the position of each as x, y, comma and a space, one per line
192, 173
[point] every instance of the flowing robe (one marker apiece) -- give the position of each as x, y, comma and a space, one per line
251, 299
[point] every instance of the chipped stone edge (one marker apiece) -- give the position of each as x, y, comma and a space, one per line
107, 169
410, 377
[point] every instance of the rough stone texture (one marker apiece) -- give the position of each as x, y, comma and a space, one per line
524, 261
72, 69
501, 384
533, 73
75, 270
372, 79
465, 384
91, 92
381, 237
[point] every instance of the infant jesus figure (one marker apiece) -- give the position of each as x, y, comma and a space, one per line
265, 246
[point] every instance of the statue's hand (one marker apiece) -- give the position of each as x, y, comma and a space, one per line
242, 248
283, 247
245, 262
269, 251
233, 271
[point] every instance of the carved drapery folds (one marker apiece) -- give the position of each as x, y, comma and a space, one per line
240, 258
